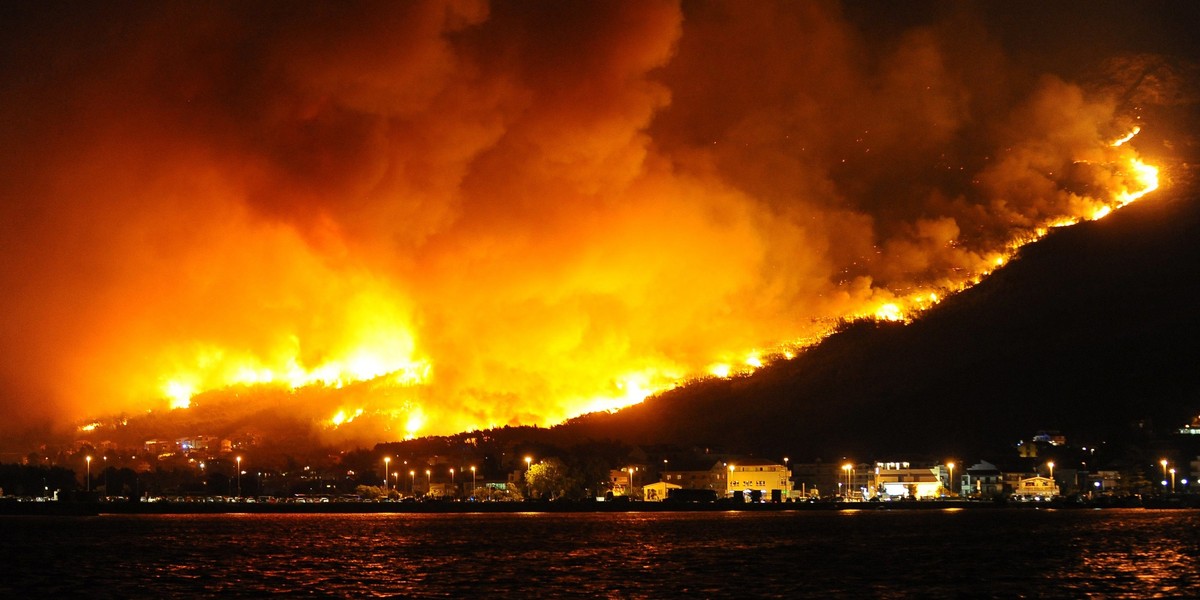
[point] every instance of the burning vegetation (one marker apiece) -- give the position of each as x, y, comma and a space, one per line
441, 216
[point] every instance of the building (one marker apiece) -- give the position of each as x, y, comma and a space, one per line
1053, 438
983, 480
657, 492
1035, 488
755, 477
708, 479
1192, 428
623, 482
198, 443
443, 490
1103, 482
159, 447
900, 480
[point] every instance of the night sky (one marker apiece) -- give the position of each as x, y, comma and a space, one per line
461, 214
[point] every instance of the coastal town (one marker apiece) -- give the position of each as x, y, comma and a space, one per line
492, 467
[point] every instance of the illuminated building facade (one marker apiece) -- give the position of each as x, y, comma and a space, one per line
766, 479
897, 480
1035, 488
657, 492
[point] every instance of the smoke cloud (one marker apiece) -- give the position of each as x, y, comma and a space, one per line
498, 213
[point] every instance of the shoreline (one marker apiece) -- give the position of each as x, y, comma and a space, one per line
64, 508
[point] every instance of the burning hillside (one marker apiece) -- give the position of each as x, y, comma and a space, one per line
453, 214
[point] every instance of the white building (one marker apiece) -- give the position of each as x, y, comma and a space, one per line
897, 480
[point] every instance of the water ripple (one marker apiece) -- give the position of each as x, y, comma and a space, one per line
987, 553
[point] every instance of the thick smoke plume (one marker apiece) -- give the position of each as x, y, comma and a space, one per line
493, 214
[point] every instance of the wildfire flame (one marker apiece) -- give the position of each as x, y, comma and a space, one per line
424, 216
1140, 179
387, 350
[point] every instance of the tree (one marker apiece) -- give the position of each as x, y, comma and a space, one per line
376, 492
547, 479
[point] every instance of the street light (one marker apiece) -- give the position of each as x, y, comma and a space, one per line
387, 462
528, 459
89, 472
428, 482
1172, 480
412, 483
631, 486
239, 476
1163, 462
472, 482
453, 487
846, 467
950, 465
729, 481
1051, 465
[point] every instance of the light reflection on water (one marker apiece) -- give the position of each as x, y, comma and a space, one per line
984, 553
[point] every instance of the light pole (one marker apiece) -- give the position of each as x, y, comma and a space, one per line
412, 483
453, 486
239, 476
787, 496
89, 472
428, 482
472, 482
729, 482
950, 466
1163, 462
846, 467
387, 462
105, 457
528, 459
1172, 480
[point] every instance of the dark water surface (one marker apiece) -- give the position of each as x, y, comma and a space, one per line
926, 554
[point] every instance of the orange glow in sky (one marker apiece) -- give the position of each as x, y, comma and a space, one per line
463, 214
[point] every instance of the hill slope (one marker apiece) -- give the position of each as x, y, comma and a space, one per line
1091, 329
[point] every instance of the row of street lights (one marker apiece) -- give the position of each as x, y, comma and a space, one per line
88, 483
1170, 471
412, 476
